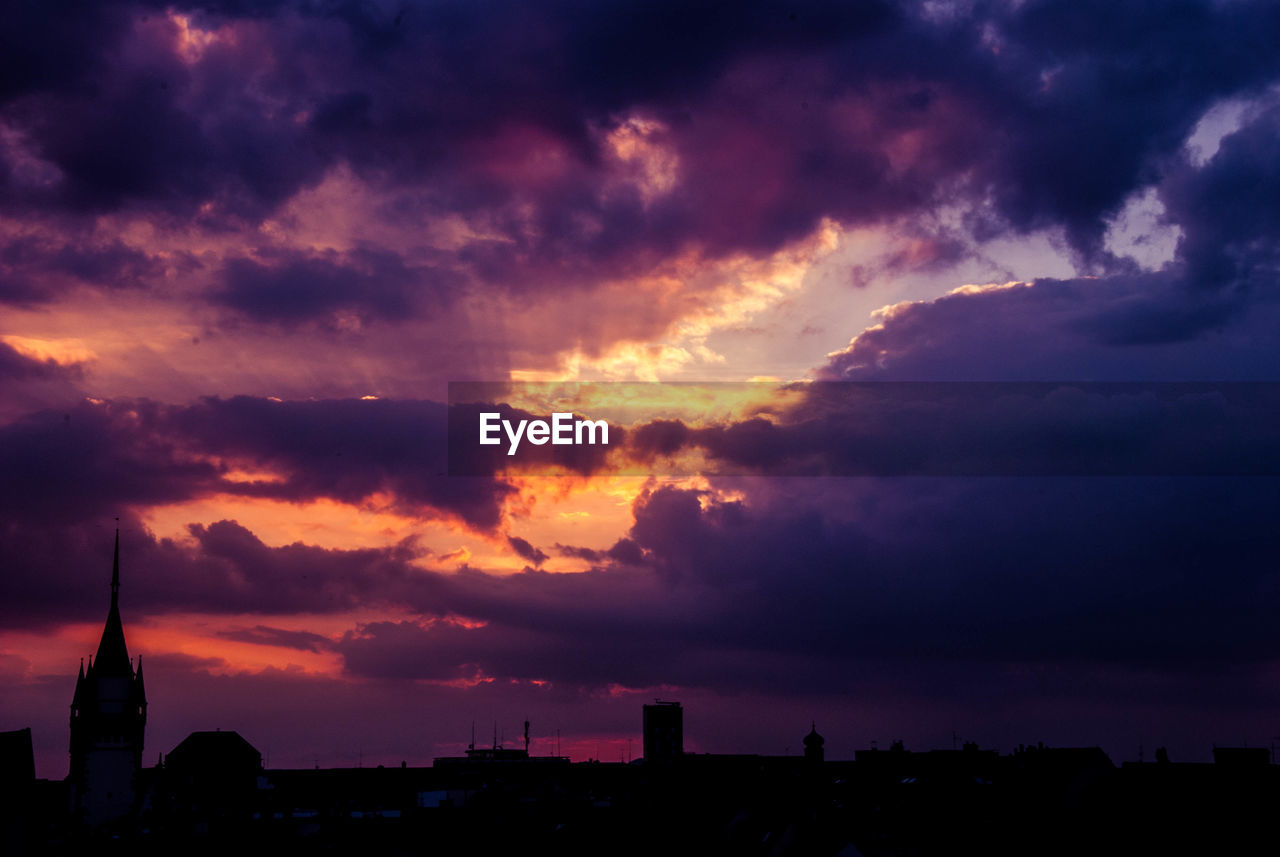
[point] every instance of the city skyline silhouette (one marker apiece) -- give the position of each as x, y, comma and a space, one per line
215, 788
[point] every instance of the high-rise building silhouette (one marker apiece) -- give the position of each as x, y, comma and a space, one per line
663, 732
108, 717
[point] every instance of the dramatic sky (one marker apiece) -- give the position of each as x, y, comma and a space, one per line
244, 247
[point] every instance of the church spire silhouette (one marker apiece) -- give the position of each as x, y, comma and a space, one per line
115, 572
108, 719
113, 654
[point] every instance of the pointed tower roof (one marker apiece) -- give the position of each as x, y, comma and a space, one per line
75, 699
113, 656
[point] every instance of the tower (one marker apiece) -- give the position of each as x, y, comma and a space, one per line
813, 742
663, 732
108, 716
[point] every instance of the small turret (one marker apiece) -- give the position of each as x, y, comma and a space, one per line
813, 742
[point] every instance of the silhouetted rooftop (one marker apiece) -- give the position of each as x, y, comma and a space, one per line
223, 749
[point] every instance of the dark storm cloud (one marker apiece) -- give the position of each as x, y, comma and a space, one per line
134, 453
1156, 327
344, 449
60, 573
264, 635
34, 270
1001, 101
43, 48
527, 551
17, 366
1108, 92
99, 457
805, 586
1165, 574
1230, 209
140, 129
1026, 116
1210, 313
91, 462
445, 651
29, 384
983, 429
623, 552
240, 573
774, 591
1042, 570
295, 287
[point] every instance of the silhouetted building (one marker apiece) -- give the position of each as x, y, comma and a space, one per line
813, 742
498, 754
108, 716
1241, 757
663, 732
17, 761
223, 758
212, 779
17, 786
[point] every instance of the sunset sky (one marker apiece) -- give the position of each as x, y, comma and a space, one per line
245, 248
